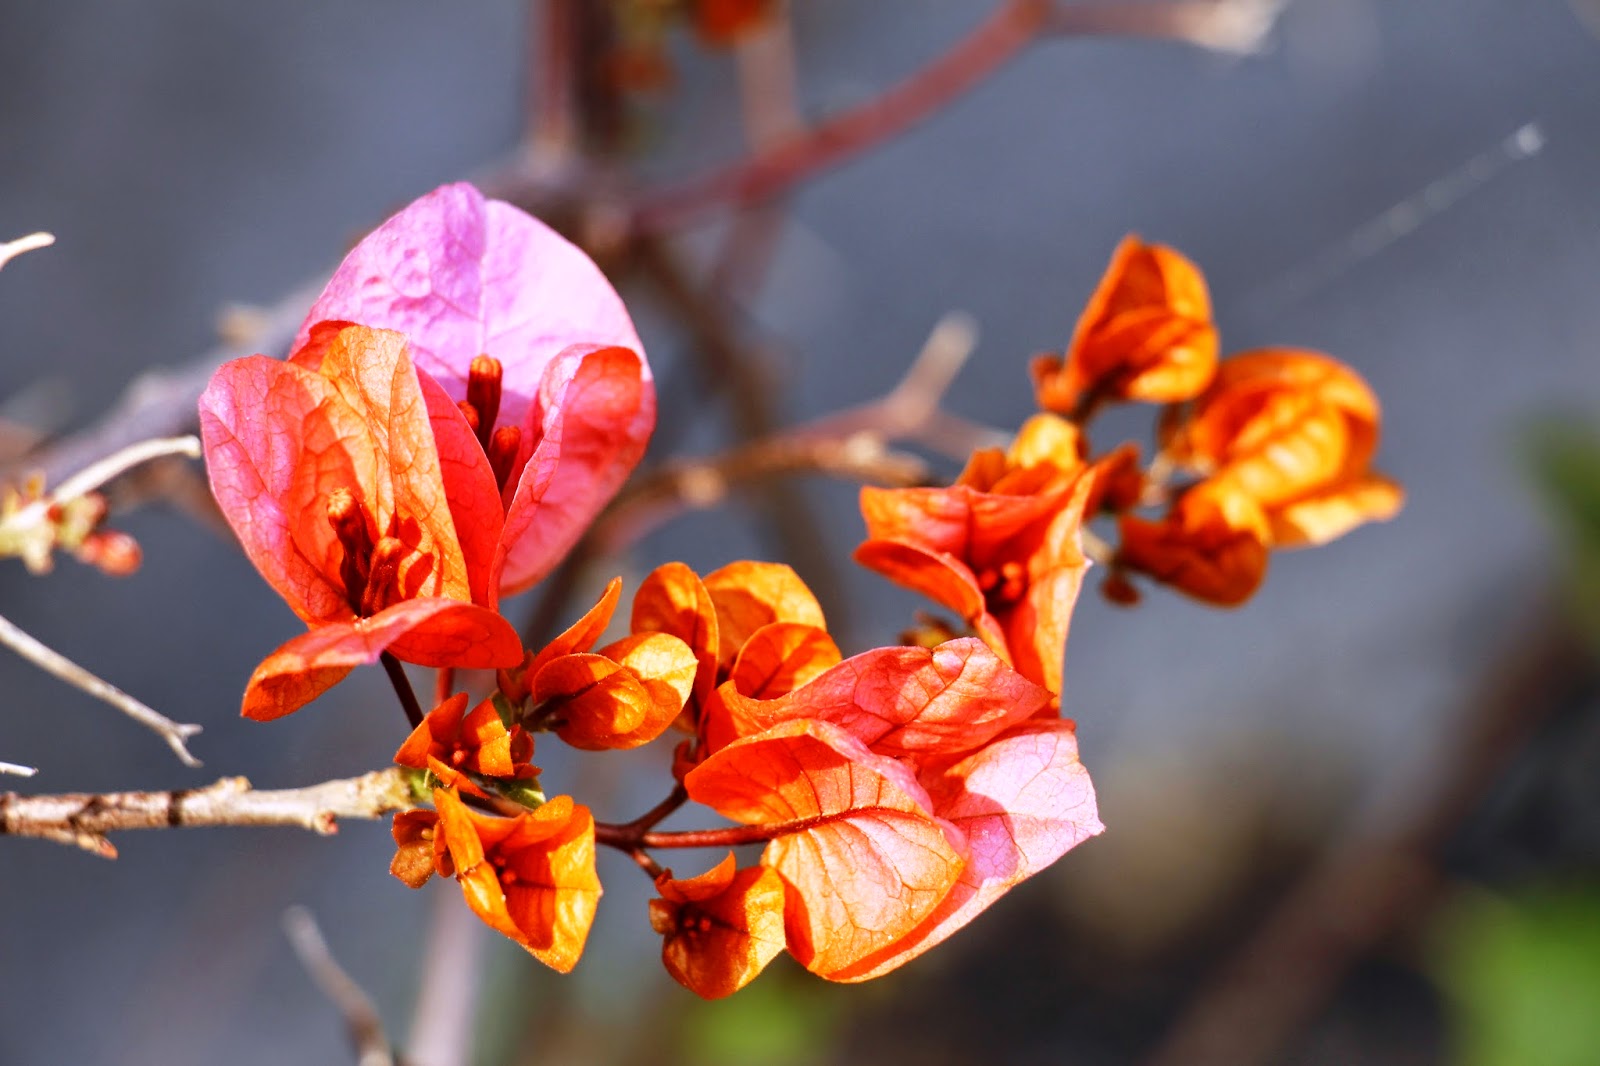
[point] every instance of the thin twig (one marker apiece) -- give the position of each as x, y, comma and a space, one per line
354, 1006
704, 483
163, 403
176, 734
103, 470
83, 819
32, 242
1225, 25
999, 38
16, 769
791, 523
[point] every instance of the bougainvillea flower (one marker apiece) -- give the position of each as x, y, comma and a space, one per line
331, 480
1212, 545
530, 877
1295, 430
1021, 801
863, 856
450, 743
419, 849
1146, 335
753, 620
1002, 547
902, 702
535, 379
625, 695
720, 929
968, 727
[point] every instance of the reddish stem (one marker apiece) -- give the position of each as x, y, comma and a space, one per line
630, 837
402, 688
988, 47
443, 684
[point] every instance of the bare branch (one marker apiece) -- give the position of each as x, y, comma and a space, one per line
852, 445
162, 403
1237, 26
84, 819
176, 734
101, 471
360, 1016
1222, 25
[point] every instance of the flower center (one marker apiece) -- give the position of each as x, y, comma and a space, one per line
376, 574
1003, 585
481, 409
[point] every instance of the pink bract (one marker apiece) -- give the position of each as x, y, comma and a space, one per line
463, 276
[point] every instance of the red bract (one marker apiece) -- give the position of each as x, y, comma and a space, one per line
331, 480
536, 381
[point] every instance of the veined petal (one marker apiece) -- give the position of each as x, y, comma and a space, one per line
585, 432
1022, 801
429, 632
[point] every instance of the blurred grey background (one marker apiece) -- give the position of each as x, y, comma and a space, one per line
190, 155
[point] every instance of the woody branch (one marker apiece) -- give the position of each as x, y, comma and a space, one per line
84, 819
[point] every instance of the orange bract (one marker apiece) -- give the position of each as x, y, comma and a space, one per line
1145, 335
530, 877
863, 856
1294, 430
721, 928
1212, 546
420, 851
1002, 547
451, 743
625, 696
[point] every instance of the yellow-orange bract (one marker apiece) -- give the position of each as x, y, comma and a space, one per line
1002, 547
1212, 545
1145, 335
753, 623
721, 928
622, 697
1296, 430
530, 877
1283, 441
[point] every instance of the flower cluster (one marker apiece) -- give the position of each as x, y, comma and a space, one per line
469, 392
1261, 450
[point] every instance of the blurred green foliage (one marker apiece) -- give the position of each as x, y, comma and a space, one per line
770, 1022
1523, 977
1565, 460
